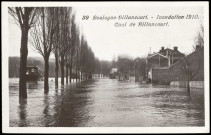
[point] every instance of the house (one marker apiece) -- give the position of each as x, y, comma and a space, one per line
162, 59
177, 72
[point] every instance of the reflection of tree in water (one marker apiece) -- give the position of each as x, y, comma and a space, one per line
22, 109
32, 85
70, 107
46, 110
195, 108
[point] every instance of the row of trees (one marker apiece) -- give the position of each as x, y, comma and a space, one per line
128, 66
103, 67
53, 30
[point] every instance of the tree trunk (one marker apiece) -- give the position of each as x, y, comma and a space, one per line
188, 84
76, 65
56, 69
76, 72
71, 70
62, 70
67, 73
46, 87
23, 63
81, 75
78, 75
70, 74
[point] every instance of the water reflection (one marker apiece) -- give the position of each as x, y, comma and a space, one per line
32, 85
22, 109
46, 110
68, 108
107, 103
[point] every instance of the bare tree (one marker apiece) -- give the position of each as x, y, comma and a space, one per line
42, 37
73, 43
191, 69
68, 54
87, 59
199, 39
56, 42
77, 53
65, 16
25, 18
125, 65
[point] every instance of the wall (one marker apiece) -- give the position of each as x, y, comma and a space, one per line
136, 79
193, 84
177, 71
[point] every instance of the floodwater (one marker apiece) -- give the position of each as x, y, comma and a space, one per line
105, 103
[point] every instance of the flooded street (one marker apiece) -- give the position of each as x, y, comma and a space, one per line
106, 103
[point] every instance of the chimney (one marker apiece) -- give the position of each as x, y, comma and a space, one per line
162, 48
175, 48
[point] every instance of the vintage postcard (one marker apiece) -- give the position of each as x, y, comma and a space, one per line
105, 67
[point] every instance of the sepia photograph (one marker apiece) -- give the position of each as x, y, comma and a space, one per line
105, 67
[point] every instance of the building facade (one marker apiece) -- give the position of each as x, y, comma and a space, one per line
162, 60
179, 70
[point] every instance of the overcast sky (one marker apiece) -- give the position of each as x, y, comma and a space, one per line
108, 41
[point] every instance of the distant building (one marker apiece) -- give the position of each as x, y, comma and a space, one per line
113, 70
113, 73
32, 73
163, 59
